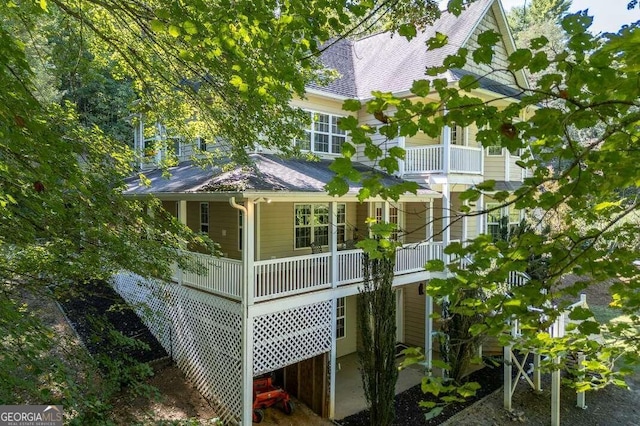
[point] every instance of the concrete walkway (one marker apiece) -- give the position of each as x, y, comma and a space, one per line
349, 392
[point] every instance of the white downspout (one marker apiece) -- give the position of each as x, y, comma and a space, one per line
246, 302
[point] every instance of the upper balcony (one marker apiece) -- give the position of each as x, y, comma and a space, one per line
437, 159
277, 278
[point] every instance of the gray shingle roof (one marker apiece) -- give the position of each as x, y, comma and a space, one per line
391, 63
266, 173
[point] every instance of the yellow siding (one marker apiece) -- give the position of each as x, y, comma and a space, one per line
421, 139
515, 171
348, 344
494, 167
277, 230
455, 230
414, 316
170, 206
472, 132
500, 54
416, 218
366, 118
320, 104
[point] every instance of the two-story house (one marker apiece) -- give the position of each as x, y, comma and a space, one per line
282, 298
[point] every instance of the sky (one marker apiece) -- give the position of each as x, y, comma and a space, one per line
608, 15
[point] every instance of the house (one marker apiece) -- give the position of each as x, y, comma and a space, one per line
282, 298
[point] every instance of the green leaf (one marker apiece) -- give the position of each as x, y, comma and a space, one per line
43, 5
519, 59
455, 7
421, 87
433, 413
157, 26
469, 82
190, 27
352, 105
174, 31
487, 185
435, 265
408, 31
437, 41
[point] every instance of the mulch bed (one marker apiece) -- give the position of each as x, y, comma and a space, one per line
408, 411
99, 312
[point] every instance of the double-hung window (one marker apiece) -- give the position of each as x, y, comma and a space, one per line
323, 134
341, 316
312, 224
204, 218
394, 217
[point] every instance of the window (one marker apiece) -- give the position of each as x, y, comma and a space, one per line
493, 220
202, 143
503, 222
341, 330
457, 135
311, 224
240, 229
323, 135
204, 218
176, 146
394, 217
494, 151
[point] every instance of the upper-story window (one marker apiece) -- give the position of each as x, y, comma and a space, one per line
323, 134
502, 222
394, 217
457, 135
312, 224
494, 151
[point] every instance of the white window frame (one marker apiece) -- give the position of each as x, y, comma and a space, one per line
321, 128
204, 225
397, 218
493, 154
202, 143
341, 318
342, 226
457, 135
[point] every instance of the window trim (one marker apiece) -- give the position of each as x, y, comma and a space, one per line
208, 213
311, 132
341, 317
489, 154
312, 225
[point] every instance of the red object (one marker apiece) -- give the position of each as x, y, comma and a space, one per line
265, 395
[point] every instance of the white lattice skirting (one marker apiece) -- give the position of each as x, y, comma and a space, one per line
286, 337
200, 331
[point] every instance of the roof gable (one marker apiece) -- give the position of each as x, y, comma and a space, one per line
391, 63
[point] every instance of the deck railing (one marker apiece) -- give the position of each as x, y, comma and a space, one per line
283, 277
430, 159
218, 275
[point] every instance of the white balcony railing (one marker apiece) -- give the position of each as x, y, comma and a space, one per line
430, 159
283, 277
221, 276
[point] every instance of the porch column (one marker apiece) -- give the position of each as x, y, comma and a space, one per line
248, 257
333, 245
446, 218
465, 225
430, 223
401, 144
446, 149
480, 217
428, 333
182, 217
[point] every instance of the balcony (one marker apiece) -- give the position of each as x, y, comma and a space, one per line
431, 159
290, 276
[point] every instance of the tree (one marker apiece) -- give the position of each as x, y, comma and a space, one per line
538, 12
594, 83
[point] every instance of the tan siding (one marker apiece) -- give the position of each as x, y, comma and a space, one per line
416, 217
348, 344
494, 167
223, 228
500, 55
421, 139
366, 118
414, 316
515, 171
472, 133
193, 215
320, 104
170, 206
437, 222
276, 231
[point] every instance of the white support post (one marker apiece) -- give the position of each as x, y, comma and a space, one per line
182, 217
446, 149
428, 333
446, 218
401, 163
555, 394
480, 218
332, 360
508, 369
248, 258
333, 242
430, 224
465, 226
581, 401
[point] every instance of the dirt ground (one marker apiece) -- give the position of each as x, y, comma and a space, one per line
180, 401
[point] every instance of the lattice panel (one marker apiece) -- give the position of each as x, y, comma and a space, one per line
200, 331
286, 337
